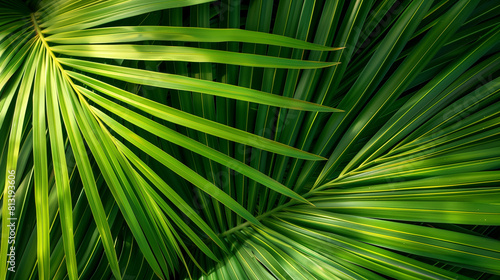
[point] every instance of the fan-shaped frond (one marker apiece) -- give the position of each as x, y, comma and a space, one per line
294, 139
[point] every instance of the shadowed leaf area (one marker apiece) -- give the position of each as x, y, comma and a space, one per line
249, 139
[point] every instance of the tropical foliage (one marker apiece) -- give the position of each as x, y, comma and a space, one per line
260, 139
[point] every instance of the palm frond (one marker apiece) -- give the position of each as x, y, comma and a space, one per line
294, 139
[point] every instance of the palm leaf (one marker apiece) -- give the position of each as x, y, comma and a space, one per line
294, 139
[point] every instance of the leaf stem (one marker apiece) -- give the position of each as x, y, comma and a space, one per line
260, 217
54, 58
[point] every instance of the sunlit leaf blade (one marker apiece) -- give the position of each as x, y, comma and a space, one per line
422, 54
123, 34
420, 211
167, 53
370, 74
85, 170
14, 143
103, 12
183, 171
60, 170
176, 199
478, 251
119, 185
373, 257
189, 84
41, 172
400, 121
145, 214
12, 61
194, 146
188, 120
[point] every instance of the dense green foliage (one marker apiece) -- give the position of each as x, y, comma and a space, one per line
259, 139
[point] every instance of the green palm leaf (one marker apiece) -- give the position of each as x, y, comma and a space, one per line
256, 139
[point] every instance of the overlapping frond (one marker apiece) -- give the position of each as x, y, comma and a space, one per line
295, 139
